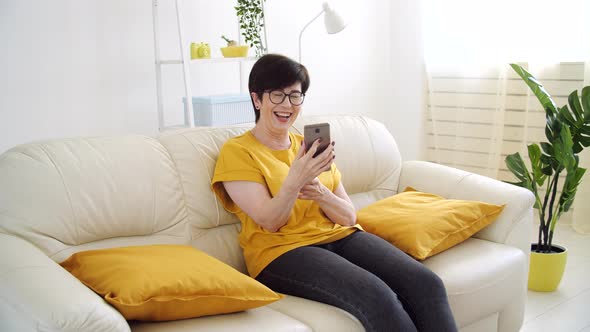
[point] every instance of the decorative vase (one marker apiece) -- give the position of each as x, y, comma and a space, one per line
546, 269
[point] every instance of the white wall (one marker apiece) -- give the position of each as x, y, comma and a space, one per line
85, 67
71, 68
405, 99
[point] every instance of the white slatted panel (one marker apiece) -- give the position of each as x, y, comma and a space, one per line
476, 118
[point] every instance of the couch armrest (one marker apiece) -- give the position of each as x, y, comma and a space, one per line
45, 297
514, 225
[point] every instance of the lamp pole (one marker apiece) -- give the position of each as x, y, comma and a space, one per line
305, 27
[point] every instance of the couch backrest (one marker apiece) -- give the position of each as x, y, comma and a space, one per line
78, 194
212, 229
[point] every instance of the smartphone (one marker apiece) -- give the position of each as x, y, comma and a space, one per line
312, 132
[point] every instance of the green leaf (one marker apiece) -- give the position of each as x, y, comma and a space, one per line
536, 164
586, 101
574, 102
548, 170
551, 161
548, 134
547, 148
566, 116
570, 187
536, 87
584, 140
534, 153
564, 149
581, 126
516, 165
553, 125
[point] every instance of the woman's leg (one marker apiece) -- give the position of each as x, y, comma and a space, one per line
317, 274
420, 290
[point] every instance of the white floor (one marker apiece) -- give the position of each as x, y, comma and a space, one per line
568, 308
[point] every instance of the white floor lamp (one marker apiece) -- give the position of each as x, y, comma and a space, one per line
332, 21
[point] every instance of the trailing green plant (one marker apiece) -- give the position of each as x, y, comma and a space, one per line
251, 18
568, 132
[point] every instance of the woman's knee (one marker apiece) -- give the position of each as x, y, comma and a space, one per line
379, 307
429, 283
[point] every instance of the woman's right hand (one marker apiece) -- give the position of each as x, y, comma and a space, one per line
305, 167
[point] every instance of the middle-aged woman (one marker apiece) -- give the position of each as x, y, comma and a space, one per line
299, 234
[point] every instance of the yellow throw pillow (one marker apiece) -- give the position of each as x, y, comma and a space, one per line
167, 282
423, 224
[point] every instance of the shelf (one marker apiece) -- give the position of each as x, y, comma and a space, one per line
218, 60
210, 60
170, 62
185, 61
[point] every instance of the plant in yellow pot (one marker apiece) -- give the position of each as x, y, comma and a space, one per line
568, 133
233, 50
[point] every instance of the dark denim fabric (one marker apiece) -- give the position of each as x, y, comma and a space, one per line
365, 275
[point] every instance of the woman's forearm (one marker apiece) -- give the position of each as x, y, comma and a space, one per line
254, 199
338, 210
274, 213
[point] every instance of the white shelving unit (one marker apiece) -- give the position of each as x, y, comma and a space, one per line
186, 63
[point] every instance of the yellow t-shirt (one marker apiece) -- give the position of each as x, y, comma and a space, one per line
244, 158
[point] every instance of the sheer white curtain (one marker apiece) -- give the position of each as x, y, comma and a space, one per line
479, 110
581, 213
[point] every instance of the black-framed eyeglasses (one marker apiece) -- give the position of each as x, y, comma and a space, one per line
278, 97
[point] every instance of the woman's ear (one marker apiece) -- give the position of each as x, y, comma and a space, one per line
257, 101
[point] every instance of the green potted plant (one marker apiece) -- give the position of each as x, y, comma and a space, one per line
568, 132
251, 16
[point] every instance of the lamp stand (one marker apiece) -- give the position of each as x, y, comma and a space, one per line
305, 27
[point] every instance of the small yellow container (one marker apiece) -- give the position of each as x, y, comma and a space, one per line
200, 51
235, 51
546, 270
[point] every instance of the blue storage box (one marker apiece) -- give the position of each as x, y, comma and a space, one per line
222, 110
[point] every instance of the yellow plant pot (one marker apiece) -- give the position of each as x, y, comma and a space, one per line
235, 51
546, 269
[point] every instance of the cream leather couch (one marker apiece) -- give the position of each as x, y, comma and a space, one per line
63, 196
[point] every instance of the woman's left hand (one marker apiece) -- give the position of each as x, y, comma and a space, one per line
313, 190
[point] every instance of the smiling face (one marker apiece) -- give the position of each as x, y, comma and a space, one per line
275, 72
277, 118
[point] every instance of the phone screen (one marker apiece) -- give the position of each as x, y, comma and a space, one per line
312, 132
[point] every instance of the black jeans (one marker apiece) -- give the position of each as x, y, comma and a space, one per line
365, 275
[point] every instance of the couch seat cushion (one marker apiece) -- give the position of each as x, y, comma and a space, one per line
319, 316
263, 319
481, 277
288, 314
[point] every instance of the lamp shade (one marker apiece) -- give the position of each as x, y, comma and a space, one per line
332, 20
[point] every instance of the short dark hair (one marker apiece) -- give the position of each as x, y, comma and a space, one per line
275, 71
